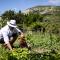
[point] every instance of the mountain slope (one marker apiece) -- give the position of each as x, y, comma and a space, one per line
43, 10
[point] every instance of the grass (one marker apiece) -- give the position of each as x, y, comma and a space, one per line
42, 40
43, 45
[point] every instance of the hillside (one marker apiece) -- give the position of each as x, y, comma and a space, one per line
43, 10
42, 18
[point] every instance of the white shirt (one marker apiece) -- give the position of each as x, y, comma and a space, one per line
5, 33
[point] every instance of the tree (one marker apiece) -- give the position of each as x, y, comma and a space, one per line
8, 15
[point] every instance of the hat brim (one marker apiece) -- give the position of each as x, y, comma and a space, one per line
11, 25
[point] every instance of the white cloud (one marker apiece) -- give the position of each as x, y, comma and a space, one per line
54, 2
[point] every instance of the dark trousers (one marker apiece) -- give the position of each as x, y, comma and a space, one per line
13, 35
1, 40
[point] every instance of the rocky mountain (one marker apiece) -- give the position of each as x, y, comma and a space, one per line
43, 10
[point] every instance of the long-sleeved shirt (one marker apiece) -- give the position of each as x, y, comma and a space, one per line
5, 33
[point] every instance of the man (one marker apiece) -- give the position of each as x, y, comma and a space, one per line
9, 33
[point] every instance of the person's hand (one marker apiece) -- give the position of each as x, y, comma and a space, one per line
11, 49
22, 35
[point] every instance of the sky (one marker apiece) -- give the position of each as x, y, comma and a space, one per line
24, 4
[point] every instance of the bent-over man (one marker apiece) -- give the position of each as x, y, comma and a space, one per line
9, 33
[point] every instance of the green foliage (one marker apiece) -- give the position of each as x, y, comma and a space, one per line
36, 21
3, 53
8, 14
18, 54
50, 42
43, 40
24, 54
3, 23
50, 39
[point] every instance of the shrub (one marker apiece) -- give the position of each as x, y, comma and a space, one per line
18, 54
